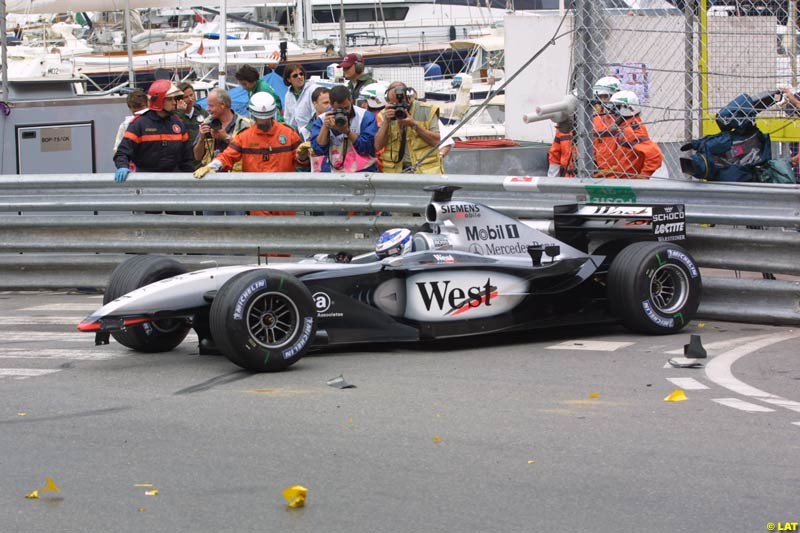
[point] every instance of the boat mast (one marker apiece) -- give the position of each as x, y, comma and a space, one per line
223, 43
4, 57
128, 45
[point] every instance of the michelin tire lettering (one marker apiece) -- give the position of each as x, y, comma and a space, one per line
242, 300
683, 258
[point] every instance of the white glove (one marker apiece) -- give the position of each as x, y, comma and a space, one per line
553, 171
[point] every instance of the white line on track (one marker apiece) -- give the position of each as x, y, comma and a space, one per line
742, 405
26, 372
58, 336
40, 320
595, 346
87, 307
75, 355
718, 369
796, 423
687, 383
714, 348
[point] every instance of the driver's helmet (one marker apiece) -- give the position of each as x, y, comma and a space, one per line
396, 241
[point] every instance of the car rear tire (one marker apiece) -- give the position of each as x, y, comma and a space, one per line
654, 287
138, 271
263, 320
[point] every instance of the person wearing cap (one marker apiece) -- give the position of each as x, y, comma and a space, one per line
157, 140
251, 81
353, 69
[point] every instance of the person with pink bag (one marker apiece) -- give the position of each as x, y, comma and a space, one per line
345, 136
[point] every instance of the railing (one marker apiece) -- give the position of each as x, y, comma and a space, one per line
61, 231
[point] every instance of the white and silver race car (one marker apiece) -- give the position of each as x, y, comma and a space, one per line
475, 271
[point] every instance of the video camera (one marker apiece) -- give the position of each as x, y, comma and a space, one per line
402, 107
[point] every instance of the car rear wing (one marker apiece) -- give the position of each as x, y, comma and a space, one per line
662, 222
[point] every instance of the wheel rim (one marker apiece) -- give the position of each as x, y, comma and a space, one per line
272, 320
669, 289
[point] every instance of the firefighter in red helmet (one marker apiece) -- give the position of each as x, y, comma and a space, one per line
156, 141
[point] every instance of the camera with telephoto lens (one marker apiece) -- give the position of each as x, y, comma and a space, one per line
402, 106
340, 117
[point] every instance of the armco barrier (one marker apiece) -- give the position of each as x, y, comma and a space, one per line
61, 231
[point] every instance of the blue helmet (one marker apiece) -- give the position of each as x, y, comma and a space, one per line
396, 241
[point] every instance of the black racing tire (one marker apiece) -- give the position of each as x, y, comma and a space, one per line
263, 320
654, 287
138, 271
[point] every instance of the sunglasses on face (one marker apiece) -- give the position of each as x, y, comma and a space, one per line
298, 75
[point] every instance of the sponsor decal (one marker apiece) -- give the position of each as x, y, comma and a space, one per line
651, 313
460, 208
618, 210
308, 323
506, 249
669, 222
492, 233
610, 194
282, 139
520, 179
475, 248
683, 258
440, 242
321, 301
444, 258
176, 128
455, 300
238, 311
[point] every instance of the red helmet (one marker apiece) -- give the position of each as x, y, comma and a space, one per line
160, 90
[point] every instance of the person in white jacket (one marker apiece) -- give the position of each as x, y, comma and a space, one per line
298, 108
137, 104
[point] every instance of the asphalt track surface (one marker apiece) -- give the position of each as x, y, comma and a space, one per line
562, 430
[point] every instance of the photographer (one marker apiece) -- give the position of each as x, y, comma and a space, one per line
216, 132
345, 135
409, 130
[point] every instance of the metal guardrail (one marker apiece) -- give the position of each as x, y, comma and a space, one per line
61, 231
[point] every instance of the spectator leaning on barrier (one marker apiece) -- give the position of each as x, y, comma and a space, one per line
189, 112
155, 141
219, 127
137, 104
299, 109
252, 82
409, 130
345, 136
637, 156
266, 146
353, 69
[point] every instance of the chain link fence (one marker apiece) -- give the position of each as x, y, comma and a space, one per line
678, 64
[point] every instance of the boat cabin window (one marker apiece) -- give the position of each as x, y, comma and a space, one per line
366, 14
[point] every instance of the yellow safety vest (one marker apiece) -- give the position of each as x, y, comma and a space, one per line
416, 147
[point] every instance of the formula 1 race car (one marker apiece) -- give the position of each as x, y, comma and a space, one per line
476, 271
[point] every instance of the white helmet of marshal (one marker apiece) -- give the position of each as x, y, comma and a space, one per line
396, 241
262, 105
606, 86
626, 103
375, 95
